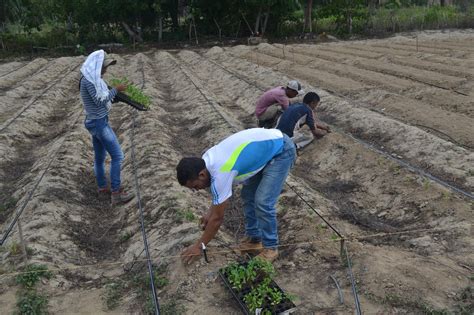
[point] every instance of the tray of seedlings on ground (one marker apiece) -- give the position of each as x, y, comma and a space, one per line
132, 96
252, 286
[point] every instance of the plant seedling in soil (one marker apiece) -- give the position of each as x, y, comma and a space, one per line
133, 92
252, 284
32, 275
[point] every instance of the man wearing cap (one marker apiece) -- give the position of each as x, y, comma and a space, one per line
260, 159
97, 100
270, 102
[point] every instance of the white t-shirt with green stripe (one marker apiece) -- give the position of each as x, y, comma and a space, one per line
239, 157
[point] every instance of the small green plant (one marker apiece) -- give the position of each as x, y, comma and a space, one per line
32, 275
133, 92
185, 215
30, 302
256, 275
172, 308
112, 295
426, 183
395, 169
9, 203
334, 237
125, 236
15, 249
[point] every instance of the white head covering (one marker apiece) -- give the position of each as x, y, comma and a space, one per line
91, 70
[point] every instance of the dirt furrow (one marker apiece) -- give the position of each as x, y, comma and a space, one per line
386, 217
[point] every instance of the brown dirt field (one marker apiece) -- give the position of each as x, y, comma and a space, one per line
391, 108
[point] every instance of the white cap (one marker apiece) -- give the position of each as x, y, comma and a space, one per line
295, 85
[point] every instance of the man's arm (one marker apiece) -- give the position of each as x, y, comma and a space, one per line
322, 126
211, 224
213, 221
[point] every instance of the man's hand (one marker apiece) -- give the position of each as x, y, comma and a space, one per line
121, 87
191, 254
328, 129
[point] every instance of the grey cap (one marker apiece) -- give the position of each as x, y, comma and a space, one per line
108, 61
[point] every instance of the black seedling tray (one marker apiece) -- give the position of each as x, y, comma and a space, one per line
284, 308
121, 97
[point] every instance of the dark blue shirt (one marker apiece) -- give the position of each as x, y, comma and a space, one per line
293, 115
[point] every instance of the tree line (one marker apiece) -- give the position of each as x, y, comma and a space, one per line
94, 21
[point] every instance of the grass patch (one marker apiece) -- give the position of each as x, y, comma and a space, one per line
172, 308
113, 294
32, 274
125, 236
30, 302
185, 215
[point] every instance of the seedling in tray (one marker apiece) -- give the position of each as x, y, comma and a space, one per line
133, 92
252, 286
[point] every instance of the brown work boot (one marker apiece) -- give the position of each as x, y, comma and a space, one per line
269, 254
121, 197
247, 245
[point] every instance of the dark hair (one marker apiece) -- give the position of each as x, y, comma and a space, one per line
310, 97
188, 169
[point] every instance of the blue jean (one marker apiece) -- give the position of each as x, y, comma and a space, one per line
260, 194
104, 140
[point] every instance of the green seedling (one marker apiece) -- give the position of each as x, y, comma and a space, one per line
426, 183
133, 92
32, 275
186, 215
31, 302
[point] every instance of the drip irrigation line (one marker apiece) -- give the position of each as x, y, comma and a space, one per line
230, 250
15, 117
353, 283
156, 304
14, 70
293, 188
211, 102
30, 195
372, 147
339, 291
412, 168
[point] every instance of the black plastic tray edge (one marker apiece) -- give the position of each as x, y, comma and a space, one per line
244, 308
121, 97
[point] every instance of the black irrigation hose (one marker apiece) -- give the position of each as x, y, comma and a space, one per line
156, 304
35, 99
30, 195
353, 284
401, 162
339, 291
14, 70
314, 210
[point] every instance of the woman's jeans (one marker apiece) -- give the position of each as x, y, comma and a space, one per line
104, 140
260, 195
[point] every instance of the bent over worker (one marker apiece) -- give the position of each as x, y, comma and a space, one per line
258, 158
300, 114
274, 100
97, 100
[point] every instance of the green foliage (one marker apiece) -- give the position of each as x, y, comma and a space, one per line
32, 274
125, 236
7, 204
113, 293
29, 302
185, 215
257, 275
133, 92
173, 307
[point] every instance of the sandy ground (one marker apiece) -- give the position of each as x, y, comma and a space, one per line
410, 98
